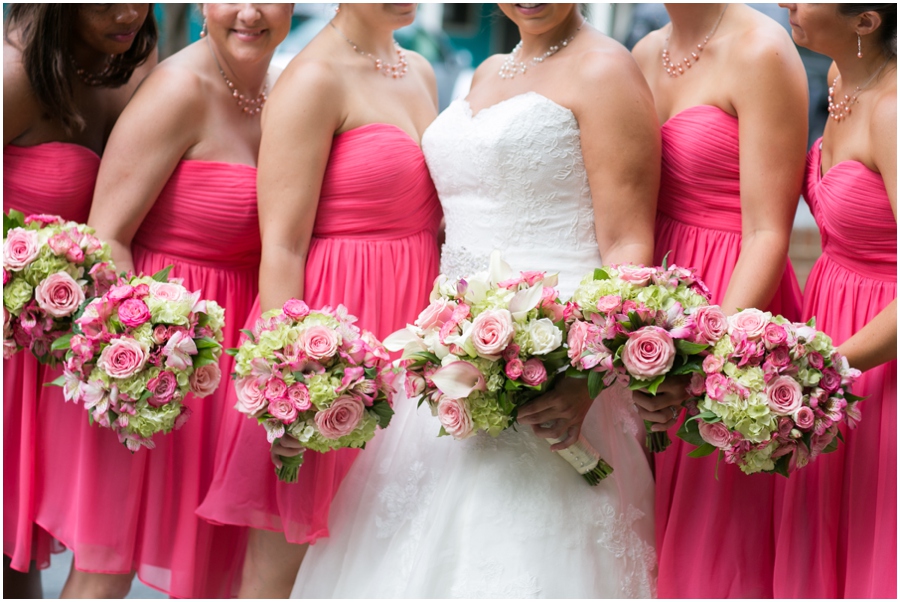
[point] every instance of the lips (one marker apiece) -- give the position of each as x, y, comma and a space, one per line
125, 36
530, 8
249, 35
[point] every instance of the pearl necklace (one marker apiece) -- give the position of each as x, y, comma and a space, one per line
397, 70
91, 79
676, 69
841, 110
250, 106
511, 67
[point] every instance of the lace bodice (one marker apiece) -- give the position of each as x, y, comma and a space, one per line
512, 178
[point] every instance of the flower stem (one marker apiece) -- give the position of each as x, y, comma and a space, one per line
290, 468
657, 441
585, 459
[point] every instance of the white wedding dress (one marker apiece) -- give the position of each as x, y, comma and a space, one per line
426, 517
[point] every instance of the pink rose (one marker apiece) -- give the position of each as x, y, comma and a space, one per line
299, 396
20, 249
577, 339
455, 418
120, 292
717, 386
179, 349
831, 380
205, 380
636, 275
133, 313
533, 372
319, 342
648, 353
283, 410
779, 357
59, 295
163, 386
296, 309
712, 364
160, 334
785, 395
514, 368
413, 384
168, 291
251, 400
435, 315
804, 417
341, 418
775, 335
752, 322
44, 218
716, 434
711, 323
61, 243
511, 352
5, 277
122, 358
275, 389
609, 304
491, 332
815, 360
697, 386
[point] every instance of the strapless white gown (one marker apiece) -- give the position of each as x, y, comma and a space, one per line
426, 517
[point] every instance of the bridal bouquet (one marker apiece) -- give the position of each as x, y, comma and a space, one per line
50, 267
640, 325
773, 395
486, 345
135, 353
315, 376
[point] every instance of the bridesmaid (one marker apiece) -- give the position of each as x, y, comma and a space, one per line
841, 541
348, 215
177, 187
730, 91
68, 71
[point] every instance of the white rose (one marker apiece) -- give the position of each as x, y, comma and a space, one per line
543, 336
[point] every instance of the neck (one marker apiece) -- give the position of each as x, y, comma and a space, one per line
248, 78
378, 42
537, 44
89, 59
855, 71
692, 22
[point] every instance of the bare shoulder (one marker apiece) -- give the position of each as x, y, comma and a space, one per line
648, 48
420, 67
883, 125
761, 44
180, 86
606, 64
309, 76
488, 66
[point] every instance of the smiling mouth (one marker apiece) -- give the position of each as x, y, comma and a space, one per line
524, 5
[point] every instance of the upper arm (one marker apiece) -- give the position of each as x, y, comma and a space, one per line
644, 52
301, 116
149, 139
883, 131
620, 141
20, 107
771, 100
426, 71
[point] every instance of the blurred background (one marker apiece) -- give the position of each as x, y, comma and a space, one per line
455, 38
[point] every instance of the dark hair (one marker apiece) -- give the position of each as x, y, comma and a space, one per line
45, 39
887, 33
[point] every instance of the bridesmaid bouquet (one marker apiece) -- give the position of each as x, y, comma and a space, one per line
640, 325
135, 353
50, 267
773, 395
315, 376
486, 345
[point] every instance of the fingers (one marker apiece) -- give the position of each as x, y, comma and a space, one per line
554, 429
658, 402
275, 459
287, 446
663, 419
571, 437
530, 412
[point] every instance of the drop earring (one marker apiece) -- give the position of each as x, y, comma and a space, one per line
858, 46
203, 31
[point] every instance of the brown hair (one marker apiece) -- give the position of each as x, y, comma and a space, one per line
887, 33
45, 40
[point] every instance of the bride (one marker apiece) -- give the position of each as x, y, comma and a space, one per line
553, 159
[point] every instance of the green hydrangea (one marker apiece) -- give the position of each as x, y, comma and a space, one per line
486, 414
321, 390
16, 294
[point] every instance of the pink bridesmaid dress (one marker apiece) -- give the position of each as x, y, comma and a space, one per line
714, 536
374, 249
837, 523
54, 178
120, 511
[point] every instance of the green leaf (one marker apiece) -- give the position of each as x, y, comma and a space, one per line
249, 334
704, 450
203, 358
232, 351
690, 432
665, 261
811, 322
443, 432
59, 381
426, 356
601, 274
850, 398
206, 343
840, 435
647, 385
147, 394
687, 368
505, 403
689, 348
573, 372
13, 219
384, 411
782, 465
163, 274
594, 383
62, 343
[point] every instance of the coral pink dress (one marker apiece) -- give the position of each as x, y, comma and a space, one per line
374, 249
714, 536
120, 511
837, 518
55, 178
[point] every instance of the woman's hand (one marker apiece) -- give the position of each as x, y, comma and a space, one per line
285, 446
663, 408
558, 413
